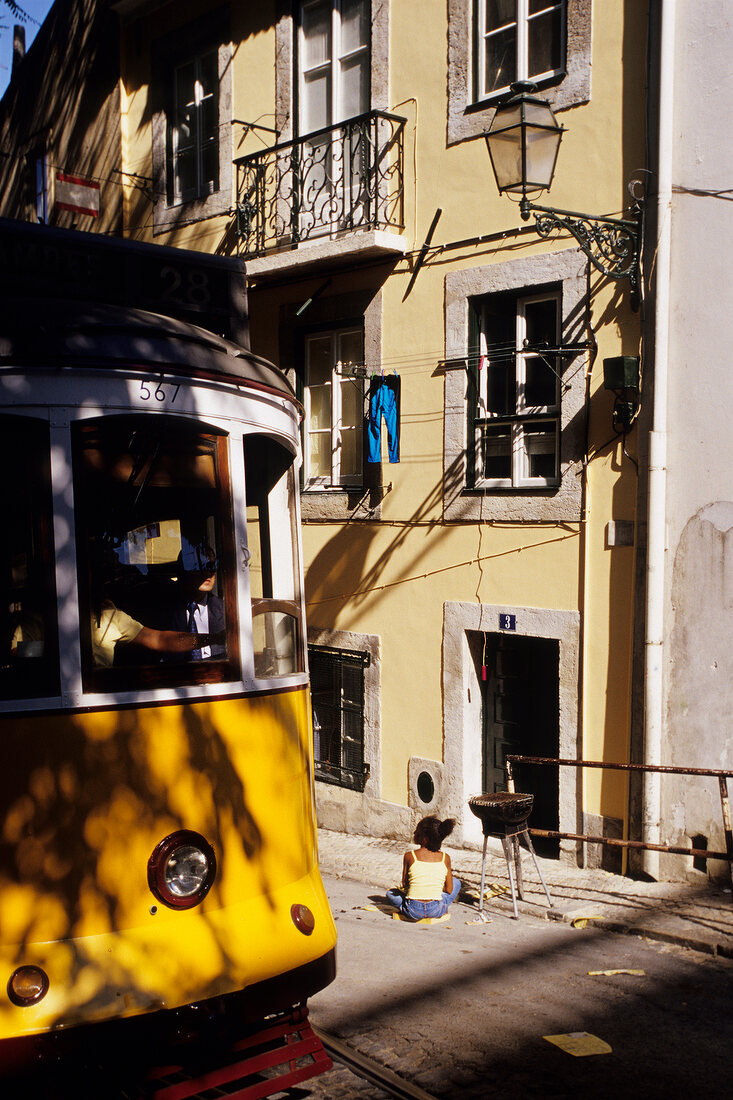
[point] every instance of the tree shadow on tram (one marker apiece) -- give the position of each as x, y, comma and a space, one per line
86, 801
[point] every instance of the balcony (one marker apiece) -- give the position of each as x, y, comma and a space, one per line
323, 188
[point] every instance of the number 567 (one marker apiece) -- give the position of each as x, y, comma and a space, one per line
162, 392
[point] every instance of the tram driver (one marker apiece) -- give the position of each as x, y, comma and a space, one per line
187, 626
197, 609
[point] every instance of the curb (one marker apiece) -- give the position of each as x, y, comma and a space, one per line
716, 949
678, 939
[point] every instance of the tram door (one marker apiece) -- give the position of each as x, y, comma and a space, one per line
521, 715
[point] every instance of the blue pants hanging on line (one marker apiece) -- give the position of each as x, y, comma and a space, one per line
384, 401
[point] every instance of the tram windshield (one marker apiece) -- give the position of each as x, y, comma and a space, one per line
28, 646
156, 561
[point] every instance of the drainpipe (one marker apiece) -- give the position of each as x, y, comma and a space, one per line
656, 515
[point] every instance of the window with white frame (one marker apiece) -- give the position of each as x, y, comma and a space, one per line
334, 70
515, 399
517, 40
334, 62
193, 138
334, 404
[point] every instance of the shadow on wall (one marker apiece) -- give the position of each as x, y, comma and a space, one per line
64, 100
340, 567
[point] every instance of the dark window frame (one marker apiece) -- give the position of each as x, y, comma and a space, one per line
352, 776
39, 185
200, 138
194, 41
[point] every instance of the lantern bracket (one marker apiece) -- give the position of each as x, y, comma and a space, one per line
611, 244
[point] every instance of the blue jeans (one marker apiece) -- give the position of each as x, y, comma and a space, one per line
417, 910
384, 401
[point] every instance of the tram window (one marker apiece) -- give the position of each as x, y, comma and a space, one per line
28, 642
274, 562
156, 561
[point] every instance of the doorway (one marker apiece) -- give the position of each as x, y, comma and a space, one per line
520, 714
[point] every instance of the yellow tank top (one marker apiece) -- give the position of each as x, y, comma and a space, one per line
425, 881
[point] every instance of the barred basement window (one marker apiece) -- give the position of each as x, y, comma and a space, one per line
337, 694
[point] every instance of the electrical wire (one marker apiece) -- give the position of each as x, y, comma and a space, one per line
361, 593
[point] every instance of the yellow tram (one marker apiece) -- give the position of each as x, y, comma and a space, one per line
159, 862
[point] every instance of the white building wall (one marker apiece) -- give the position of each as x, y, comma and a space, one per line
699, 571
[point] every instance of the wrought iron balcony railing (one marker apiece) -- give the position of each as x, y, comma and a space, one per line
323, 185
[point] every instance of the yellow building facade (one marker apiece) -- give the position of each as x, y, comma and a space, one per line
471, 593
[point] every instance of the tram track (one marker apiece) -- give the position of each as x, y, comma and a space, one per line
370, 1070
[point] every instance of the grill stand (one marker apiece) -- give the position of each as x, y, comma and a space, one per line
510, 842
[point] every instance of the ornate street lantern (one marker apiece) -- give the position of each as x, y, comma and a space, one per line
523, 142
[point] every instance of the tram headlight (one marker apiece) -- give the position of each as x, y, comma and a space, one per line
182, 869
27, 986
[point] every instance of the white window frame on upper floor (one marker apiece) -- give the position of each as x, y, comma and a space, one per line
333, 67
286, 73
522, 28
333, 86
470, 115
337, 428
563, 273
522, 422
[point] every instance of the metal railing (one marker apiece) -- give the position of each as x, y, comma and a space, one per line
326, 184
701, 853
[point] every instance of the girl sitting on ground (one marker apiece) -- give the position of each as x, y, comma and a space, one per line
428, 885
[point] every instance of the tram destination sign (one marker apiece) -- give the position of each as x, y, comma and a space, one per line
44, 262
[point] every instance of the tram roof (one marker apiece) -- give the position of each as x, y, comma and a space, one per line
48, 333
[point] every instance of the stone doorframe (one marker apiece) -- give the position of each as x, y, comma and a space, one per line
462, 719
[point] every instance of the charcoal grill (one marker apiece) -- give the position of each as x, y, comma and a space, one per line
505, 814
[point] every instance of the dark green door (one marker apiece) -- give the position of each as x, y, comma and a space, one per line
521, 715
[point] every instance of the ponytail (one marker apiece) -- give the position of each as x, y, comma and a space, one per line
431, 832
